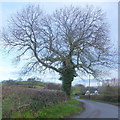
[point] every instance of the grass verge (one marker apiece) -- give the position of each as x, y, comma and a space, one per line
62, 110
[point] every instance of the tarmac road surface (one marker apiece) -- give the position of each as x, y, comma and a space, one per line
97, 110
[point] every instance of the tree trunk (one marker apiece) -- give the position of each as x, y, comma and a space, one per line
66, 87
67, 77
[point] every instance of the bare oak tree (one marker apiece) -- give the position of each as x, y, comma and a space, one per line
70, 40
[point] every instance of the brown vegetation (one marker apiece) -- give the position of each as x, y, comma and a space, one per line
22, 99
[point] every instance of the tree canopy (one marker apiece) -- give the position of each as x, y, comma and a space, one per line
71, 39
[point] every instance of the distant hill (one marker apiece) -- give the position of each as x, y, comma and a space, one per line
31, 84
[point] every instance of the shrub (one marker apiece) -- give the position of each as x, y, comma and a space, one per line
22, 99
53, 86
110, 91
106, 98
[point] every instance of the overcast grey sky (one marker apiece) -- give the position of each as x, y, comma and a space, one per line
7, 9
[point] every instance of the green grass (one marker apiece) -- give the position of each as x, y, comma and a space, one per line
57, 111
39, 86
62, 110
73, 101
25, 114
35, 84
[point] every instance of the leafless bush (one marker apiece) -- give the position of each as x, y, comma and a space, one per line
53, 86
22, 99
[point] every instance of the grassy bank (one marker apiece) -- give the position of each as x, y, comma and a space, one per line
61, 110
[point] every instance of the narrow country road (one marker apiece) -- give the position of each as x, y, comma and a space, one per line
97, 110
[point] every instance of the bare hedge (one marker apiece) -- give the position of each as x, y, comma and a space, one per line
21, 99
53, 86
107, 98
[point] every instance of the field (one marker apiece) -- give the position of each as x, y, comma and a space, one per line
28, 84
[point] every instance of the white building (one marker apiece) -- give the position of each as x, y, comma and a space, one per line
92, 93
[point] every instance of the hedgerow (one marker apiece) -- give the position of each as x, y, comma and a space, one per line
22, 99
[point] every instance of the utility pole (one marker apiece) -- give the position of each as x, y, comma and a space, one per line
89, 86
